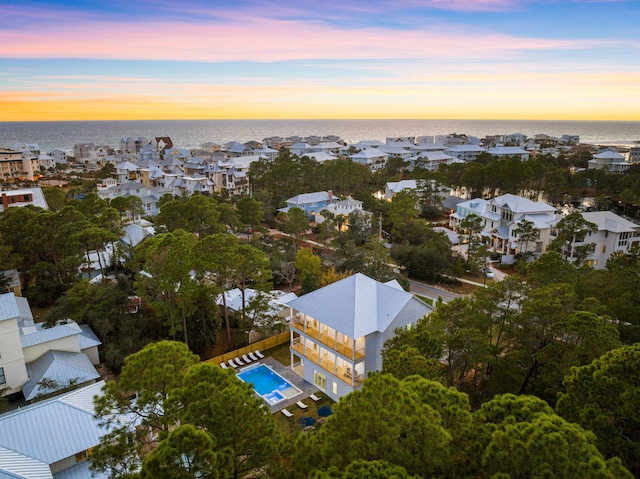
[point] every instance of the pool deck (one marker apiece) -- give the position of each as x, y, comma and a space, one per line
293, 379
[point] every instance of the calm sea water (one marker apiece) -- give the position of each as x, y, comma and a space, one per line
192, 133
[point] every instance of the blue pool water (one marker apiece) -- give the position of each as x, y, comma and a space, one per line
266, 382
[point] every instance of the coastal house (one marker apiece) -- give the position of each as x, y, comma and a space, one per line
394, 187
508, 152
371, 157
337, 332
341, 210
431, 160
609, 160
37, 361
615, 235
310, 202
465, 152
501, 217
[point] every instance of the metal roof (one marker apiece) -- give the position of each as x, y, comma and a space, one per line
59, 369
8, 307
43, 335
358, 305
17, 466
52, 430
88, 338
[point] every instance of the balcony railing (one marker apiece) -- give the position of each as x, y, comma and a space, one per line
343, 373
328, 340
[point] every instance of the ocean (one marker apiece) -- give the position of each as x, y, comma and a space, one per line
192, 133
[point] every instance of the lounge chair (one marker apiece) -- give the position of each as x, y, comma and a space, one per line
286, 412
232, 364
246, 359
223, 365
302, 405
253, 357
259, 354
314, 397
238, 361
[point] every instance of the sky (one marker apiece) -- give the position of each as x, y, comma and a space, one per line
328, 59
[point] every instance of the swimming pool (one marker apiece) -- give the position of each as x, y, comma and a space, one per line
268, 384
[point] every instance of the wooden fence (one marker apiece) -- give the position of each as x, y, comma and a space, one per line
262, 345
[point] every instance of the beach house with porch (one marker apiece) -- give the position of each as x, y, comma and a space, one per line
337, 332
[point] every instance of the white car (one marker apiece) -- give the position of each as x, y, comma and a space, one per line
488, 272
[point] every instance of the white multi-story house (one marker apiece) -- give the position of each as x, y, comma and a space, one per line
501, 217
342, 209
609, 160
371, 157
393, 187
431, 160
615, 235
337, 332
36, 360
60, 156
465, 152
509, 151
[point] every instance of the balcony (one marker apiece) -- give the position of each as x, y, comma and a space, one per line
343, 373
329, 340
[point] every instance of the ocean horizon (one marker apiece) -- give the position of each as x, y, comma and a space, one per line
192, 133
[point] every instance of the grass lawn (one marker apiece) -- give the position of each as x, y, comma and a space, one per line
290, 425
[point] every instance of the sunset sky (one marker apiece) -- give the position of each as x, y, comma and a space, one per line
244, 59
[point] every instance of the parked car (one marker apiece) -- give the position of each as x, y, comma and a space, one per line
488, 272
495, 257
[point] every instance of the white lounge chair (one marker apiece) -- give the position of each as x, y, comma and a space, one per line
314, 397
246, 359
232, 364
286, 412
223, 365
302, 405
259, 354
238, 361
253, 357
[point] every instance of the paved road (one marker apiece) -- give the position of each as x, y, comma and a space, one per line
433, 292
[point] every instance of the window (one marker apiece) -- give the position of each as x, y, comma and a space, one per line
320, 380
82, 456
335, 387
3, 379
604, 248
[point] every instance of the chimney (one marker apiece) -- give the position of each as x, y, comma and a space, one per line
330, 194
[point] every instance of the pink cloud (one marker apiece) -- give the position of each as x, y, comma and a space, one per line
258, 39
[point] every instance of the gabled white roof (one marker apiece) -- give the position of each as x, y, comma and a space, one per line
358, 305
398, 186
609, 155
519, 204
609, 221
368, 153
320, 156
506, 151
